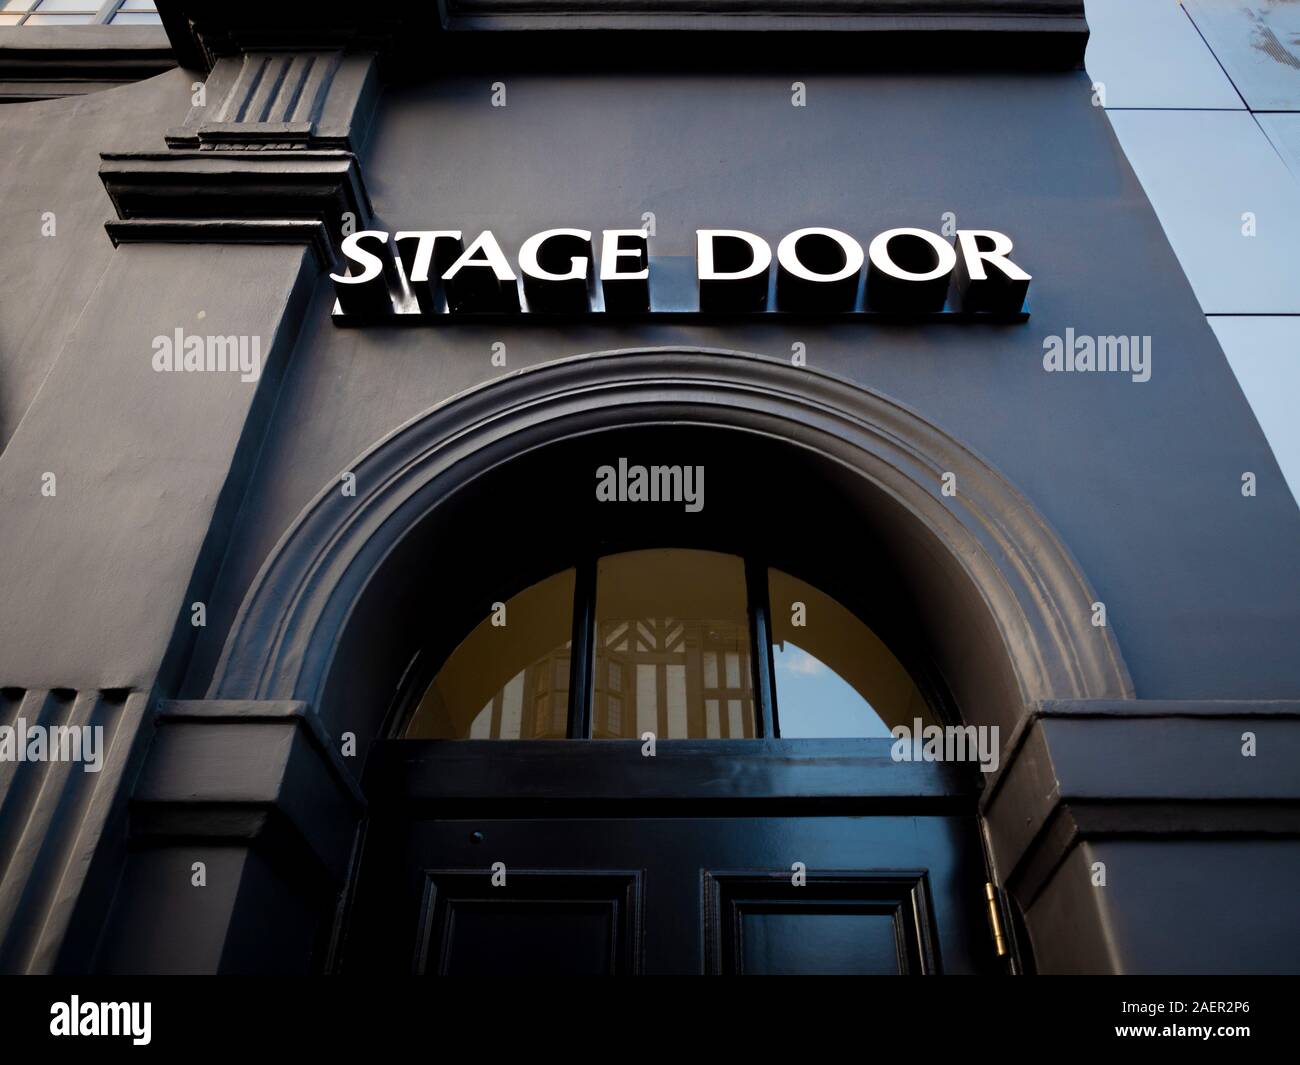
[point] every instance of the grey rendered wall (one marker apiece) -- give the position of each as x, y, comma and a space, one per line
1142, 480
99, 562
48, 163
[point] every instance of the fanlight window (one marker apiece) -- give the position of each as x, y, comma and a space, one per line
834, 677
507, 681
670, 650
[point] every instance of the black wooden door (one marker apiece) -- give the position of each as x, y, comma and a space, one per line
717, 857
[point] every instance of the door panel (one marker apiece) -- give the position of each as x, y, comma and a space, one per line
529, 922
879, 894
833, 924
719, 856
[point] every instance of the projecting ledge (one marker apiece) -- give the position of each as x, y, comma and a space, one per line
262, 773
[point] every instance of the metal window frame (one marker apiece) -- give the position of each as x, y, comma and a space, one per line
582, 660
103, 15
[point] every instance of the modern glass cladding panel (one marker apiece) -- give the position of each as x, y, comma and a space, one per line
509, 678
672, 647
1258, 43
1147, 53
63, 12
1283, 132
1226, 201
136, 13
834, 677
12, 11
1264, 353
78, 12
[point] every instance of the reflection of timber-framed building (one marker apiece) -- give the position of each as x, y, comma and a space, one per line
356, 623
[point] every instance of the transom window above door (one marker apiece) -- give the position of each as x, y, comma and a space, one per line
681, 643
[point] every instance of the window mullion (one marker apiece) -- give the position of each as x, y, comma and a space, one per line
760, 642
104, 15
582, 652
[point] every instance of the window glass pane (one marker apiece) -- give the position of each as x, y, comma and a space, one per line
834, 677
506, 681
672, 647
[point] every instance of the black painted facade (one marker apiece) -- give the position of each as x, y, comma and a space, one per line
1121, 743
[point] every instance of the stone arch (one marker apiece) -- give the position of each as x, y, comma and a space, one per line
1012, 620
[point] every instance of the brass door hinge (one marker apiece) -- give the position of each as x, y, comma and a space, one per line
995, 919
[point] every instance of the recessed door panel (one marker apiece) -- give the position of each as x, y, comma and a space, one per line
827, 923
529, 923
810, 894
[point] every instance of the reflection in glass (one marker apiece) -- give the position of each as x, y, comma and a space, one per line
506, 681
834, 678
672, 647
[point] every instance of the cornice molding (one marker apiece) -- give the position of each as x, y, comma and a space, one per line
1087, 769
49, 62
406, 37
241, 196
203, 32
226, 231
792, 15
259, 774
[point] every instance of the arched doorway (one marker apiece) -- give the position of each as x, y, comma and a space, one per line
735, 845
